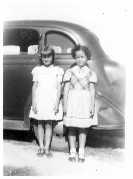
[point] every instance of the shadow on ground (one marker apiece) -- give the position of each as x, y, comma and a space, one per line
106, 138
12, 171
26, 136
95, 138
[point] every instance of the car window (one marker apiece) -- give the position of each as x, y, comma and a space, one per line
32, 49
16, 41
11, 49
60, 42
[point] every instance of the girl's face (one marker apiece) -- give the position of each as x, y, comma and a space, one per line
81, 58
47, 60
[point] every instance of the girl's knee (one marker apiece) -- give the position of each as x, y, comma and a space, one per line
72, 131
48, 124
82, 130
41, 123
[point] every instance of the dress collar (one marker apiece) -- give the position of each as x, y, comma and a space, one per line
51, 66
82, 68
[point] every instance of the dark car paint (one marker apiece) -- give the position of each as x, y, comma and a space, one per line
110, 94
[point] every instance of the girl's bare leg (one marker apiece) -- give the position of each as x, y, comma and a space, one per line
72, 143
82, 142
35, 127
40, 134
72, 138
48, 134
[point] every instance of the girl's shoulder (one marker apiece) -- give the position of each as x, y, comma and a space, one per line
59, 69
68, 71
88, 69
92, 72
93, 76
72, 68
36, 68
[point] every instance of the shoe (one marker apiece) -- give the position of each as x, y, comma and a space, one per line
81, 156
72, 157
81, 160
40, 152
48, 153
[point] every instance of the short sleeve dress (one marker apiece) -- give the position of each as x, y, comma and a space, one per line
79, 98
46, 93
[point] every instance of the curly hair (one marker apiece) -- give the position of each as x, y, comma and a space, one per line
83, 48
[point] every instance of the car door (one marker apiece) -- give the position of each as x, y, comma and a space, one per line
17, 66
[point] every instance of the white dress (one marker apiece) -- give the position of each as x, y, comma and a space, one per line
79, 99
46, 93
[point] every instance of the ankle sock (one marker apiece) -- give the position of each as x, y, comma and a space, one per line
81, 151
72, 150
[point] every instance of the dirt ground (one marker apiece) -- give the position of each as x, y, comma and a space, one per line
20, 159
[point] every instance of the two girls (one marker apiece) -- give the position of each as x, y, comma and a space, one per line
79, 99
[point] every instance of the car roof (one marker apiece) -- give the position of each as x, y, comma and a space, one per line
41, 23
82, 32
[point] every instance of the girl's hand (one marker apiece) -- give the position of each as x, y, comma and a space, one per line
92, 111
56, 108
34, 107
64, 110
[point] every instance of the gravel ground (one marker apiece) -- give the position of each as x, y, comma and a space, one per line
20, 160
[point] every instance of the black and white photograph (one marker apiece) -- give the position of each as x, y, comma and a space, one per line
64, 88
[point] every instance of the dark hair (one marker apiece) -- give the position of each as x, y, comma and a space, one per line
52, 53
83, 48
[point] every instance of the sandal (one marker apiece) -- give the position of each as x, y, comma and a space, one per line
81, 157
81, 160
48, 153
72, 157
40, 152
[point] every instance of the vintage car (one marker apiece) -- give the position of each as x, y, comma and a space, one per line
20, 48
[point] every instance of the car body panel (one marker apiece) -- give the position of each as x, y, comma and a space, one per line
110, 90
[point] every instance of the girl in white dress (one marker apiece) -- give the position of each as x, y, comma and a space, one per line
79, 100
46, 92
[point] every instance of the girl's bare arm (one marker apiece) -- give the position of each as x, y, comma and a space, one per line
34, 88
92, 92
65, 95
59, 89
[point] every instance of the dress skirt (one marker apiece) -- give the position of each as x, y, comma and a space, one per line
78, 109
46, 101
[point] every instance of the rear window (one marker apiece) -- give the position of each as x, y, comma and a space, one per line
17, 41
60, 42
